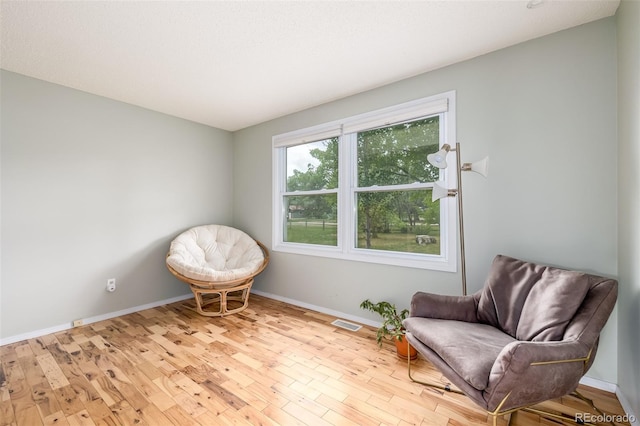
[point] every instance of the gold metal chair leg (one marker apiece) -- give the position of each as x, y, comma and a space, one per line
509, 421
561, 417
583, 398
567, 418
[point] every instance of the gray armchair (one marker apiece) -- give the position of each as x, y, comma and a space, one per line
528, 336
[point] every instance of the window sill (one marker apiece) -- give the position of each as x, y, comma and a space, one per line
407, 260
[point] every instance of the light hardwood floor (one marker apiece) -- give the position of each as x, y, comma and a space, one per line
273, 364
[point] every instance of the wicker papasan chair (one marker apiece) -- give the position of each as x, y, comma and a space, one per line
220, 262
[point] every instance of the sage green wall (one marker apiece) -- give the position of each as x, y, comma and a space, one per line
94, 189
628, 17
544, 111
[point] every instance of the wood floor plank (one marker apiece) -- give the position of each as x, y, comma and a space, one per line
281, 417
256, 417
29, 415
81, 418
325, 388
32, 370
69, 401
272, 364
24, 407
125, 414
245, 395
214, 402
154, 416
178, 416
372, 410
7, 416
232, 400
23, 349
45, 399
304, 415
300, 399
107, 391
38, 346
52, 371
268, 394
99, 411
345, 411
55, 419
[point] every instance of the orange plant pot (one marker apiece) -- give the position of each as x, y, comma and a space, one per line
401, 349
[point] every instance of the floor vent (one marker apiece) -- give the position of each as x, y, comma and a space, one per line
346, 325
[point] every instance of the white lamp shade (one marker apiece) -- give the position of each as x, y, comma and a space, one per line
439, 158
480, 167
438, 192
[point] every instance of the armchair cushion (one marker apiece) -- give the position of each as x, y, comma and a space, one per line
459, 308
470, 348
551, 304
505, 291
530, 301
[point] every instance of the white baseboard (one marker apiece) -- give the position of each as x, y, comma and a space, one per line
90, 320
320, 309
626, 406
599, 384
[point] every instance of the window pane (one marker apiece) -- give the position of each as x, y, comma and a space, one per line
311, 219
313, 166
397, 154
401, 221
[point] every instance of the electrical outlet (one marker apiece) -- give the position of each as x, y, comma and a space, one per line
77, 323
111, 285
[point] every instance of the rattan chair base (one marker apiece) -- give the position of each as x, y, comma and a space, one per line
221, 299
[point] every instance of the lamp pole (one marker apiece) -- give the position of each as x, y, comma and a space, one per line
463, 263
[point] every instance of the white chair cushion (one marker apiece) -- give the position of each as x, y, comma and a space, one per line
215, 253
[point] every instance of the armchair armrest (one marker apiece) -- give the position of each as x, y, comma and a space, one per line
532, 372
458, 308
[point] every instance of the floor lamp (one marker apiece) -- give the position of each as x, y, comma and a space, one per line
439, 160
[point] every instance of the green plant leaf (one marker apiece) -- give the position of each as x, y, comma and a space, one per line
392, 320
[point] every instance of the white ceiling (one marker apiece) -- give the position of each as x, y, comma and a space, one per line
232, 64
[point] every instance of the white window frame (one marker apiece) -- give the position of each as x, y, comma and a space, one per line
442, 104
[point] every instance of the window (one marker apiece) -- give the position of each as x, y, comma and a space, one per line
360, 188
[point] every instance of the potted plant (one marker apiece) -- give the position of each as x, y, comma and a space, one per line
391, 326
